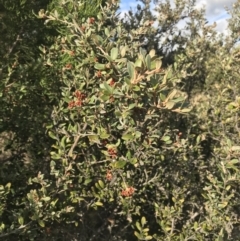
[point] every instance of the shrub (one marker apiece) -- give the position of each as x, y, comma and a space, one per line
129, 160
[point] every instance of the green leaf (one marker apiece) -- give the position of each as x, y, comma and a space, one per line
94, 139
138, 63
52, 163
98, 204
131, 69
152, 53
100, 66
185, 110
138, 134
170, 105
148, 237
114, 53
138, 226
118, 164
162, 97
172, 94
62, 143
127, 137
41, 223
133, 160
165, 138
105, 86
148, 62
100, 16
50, 133
101, 184
179, 99
235, 148
143, 221
87, 181
158, 63
137, 235
223, 204
107, 32
123, 51
233, 161
20, 220
45, 199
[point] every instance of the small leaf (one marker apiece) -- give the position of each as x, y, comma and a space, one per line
87, 181
165, 138
162, 97
179, 99
195, 225
148, 62
143, 221
127, 137
114, 53
137, 235
50, 133
223, 204
138, 226
233, 161
138, 134
148, 237
138, 63
131, 69
52, 163
170, 105
94, 139
152, 53
185, 110
21, 220
41, 223
107, 32
98, 204
123, 51
105, 86
99, 66
45, 199
101, 184
171, 95
158, 63
118, 164
100, 16
235, 148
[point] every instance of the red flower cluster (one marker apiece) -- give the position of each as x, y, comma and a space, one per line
127, 192
68, 66
80, 97
83, 28
91, 20
111, 98
112, 82
112, 152
99, 74
72, 53
109, 175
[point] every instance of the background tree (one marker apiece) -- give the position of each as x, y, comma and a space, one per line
29, 90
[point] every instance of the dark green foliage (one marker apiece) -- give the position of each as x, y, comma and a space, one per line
104, 138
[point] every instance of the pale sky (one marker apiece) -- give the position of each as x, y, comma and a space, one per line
215, 10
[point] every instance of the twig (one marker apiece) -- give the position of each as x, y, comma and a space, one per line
15, 43
15, 231
76, 141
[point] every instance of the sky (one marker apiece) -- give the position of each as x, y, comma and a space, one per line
215, 10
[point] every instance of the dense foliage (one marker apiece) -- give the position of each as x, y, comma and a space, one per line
118, 129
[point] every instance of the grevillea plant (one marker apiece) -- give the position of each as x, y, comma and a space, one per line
128, 158
115, 127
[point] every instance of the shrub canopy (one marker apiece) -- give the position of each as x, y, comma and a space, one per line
117, 129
